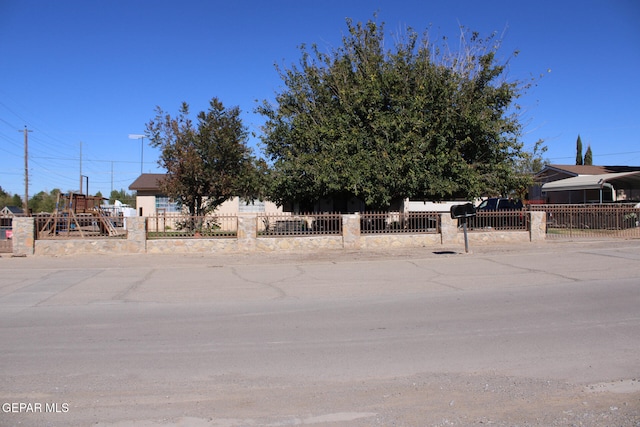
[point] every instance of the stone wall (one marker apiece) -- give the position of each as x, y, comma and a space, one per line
23, 236
382, 241
247, 239
134, 243
184, 246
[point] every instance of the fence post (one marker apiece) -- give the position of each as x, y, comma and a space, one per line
537, 226
23, 236
136, 234
247, 232
448, 229
351, 231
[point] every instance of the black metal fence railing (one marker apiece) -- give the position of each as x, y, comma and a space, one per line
562, 221
592, 221
398, 222
504, 220
287, 224
179, 226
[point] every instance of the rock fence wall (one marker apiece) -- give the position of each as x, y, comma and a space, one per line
247, 239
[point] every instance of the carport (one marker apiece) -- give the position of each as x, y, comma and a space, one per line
588, 185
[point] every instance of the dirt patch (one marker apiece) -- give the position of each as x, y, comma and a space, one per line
419, 400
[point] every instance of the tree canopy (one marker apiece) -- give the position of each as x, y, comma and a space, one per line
207, 162
414, 121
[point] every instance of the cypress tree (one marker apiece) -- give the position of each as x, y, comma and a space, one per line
579, 151
588, 157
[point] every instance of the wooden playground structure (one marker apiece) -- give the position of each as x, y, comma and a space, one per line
79, 215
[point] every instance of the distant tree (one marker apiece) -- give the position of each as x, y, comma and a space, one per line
6, 199
588, 157
579, 151
123, 196
207, 162
16, 200
414, 121
43, 201
533, 162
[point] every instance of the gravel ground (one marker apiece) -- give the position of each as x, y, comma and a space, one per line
421, 400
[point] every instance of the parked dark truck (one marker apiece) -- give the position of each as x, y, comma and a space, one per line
499, 213
499, 204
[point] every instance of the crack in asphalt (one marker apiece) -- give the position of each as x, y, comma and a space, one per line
122, 296
76, 282
532, 270
280, 293
436, 276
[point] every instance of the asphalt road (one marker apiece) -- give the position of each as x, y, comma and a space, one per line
533, 335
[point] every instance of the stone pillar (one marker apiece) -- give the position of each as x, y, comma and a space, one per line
136, 234
448, 229
538, 226
247, 232
24, 237
351, 231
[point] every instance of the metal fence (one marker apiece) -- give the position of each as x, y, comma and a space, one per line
504, 220
180, 226
591, 221
6, 242
287, 224
79, 226
398, 222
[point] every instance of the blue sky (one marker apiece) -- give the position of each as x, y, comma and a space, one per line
83, 75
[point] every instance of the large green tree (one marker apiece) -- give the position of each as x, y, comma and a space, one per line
413, 121
208, 161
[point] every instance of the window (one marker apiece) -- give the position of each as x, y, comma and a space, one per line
255, 206
164, 203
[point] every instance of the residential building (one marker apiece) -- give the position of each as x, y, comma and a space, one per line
150, 199
564, 184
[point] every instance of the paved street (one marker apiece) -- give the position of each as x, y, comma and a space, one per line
533, 335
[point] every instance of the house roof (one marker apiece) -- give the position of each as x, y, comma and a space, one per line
147, 182
624, 180
12, 210
577, 170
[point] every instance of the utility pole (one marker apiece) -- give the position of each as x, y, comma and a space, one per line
81, 168
25, 204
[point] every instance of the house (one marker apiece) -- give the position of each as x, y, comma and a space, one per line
150, 199
7, 213
564, 184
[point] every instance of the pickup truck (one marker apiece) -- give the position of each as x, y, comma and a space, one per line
499, 213
499, 204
